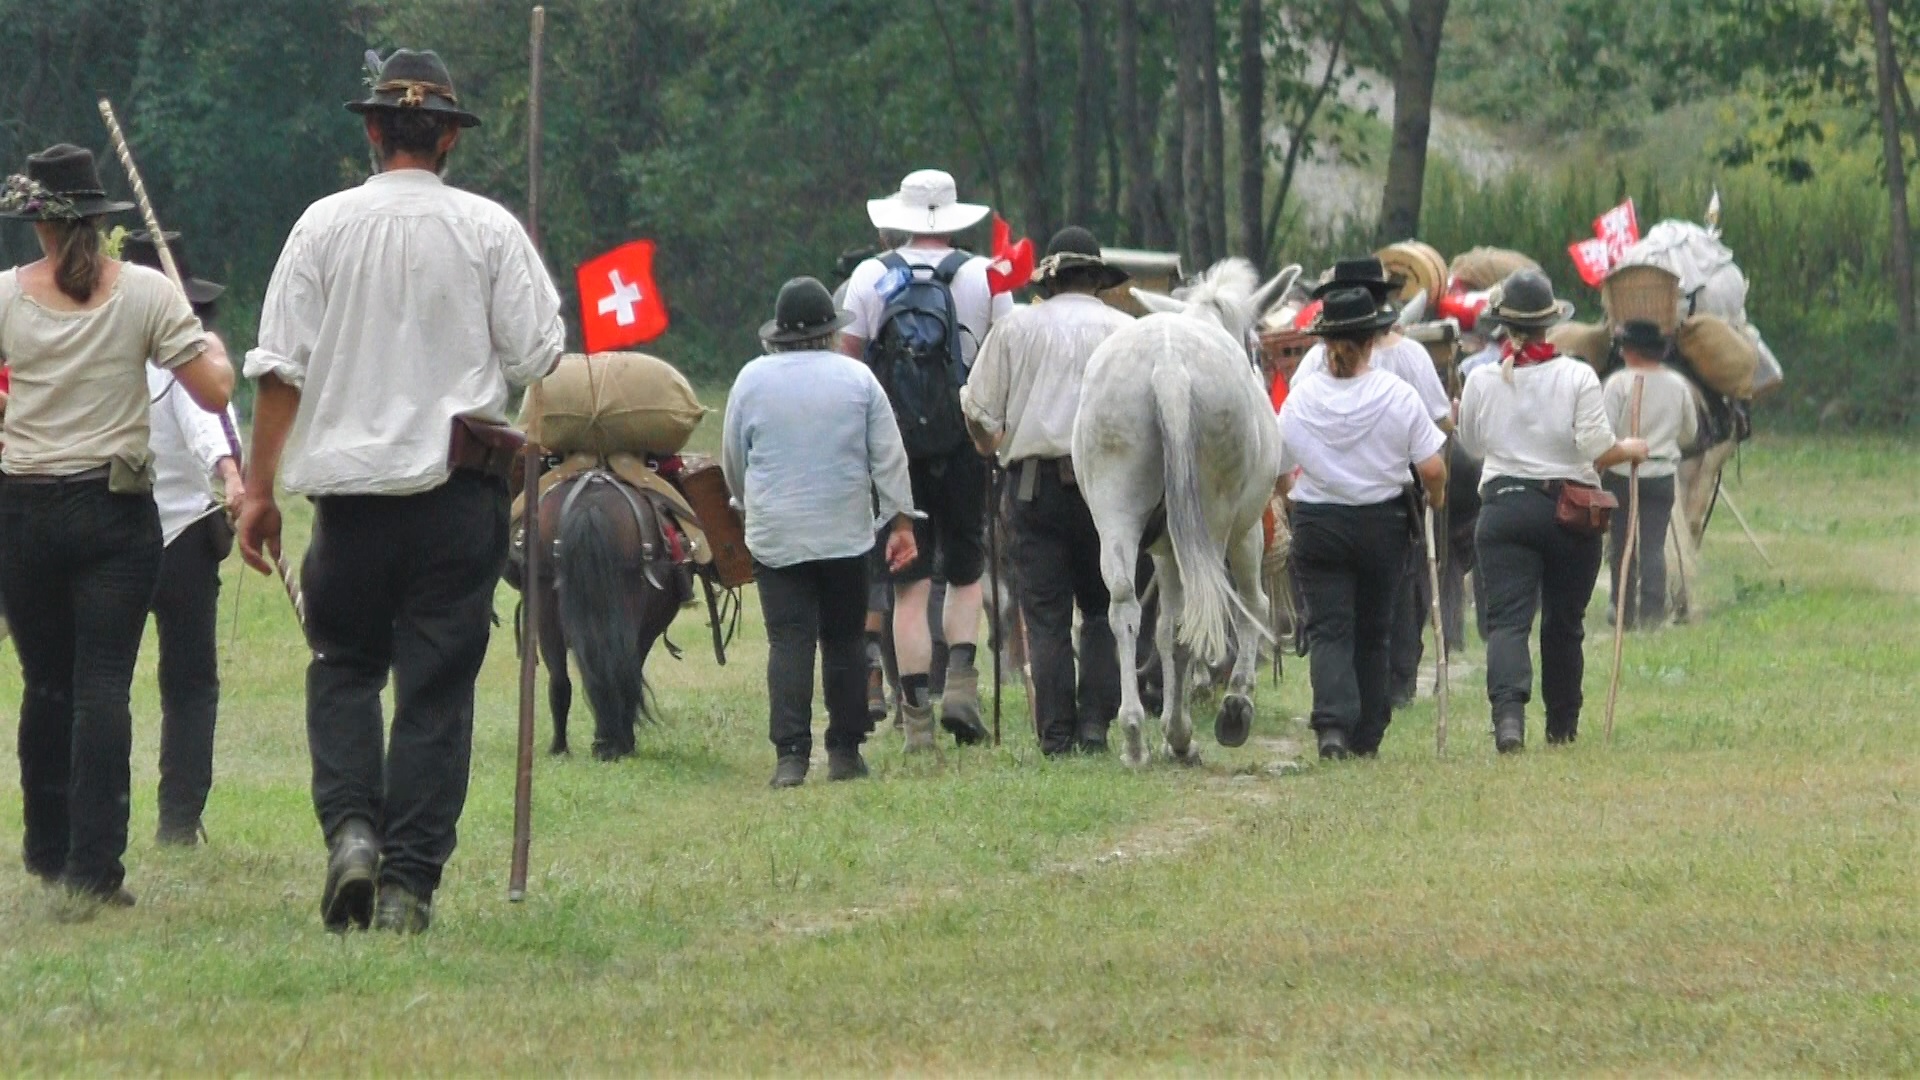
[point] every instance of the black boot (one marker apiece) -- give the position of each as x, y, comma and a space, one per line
789, 771
399, 911
347, 900
1333, 745
1509, 728
846, 764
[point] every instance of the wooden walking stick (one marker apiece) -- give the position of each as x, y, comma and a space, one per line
1727, 497
998, 637
1441, 686
125, 153
530, 465
1620, 596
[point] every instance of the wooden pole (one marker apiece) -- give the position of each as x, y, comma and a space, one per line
998, 638
1727, 497
124, 152
1441, 684
1621, 587
536, 44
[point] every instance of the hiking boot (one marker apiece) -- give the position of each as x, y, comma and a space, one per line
877, 704
846, 764
399, 911
1333, 745
1509, 728
347, 900
960, 706
789, 771
918, 722
83, 903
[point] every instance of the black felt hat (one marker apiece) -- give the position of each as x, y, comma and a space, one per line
803, 311
1074, 249
140, 249
1525, 301
1366, 273
1351, 312
412, 80
61, 184
1642, 336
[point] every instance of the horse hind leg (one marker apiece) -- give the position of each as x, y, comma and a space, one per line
1234, 722
1117, 565
552, 644
1175, 723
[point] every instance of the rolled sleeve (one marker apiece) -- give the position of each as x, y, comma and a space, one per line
175, 335
528, 333
1592, 434
887, 456
290, 317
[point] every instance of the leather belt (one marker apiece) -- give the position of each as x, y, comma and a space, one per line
1027, 472
99, 472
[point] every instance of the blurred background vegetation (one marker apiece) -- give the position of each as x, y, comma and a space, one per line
744, 135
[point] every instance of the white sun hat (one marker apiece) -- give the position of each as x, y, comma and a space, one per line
927, 204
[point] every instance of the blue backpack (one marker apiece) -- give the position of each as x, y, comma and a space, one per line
916, 354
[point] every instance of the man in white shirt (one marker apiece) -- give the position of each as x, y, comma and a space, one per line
192, 451
1020, 400
949, 485
1669, 422
399, 314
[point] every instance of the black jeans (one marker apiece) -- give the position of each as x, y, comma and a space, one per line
1412, 602
1056, 553
401, 584
815, 606
1348, 562
77, 568
185, 609
1528, 564
1646, 593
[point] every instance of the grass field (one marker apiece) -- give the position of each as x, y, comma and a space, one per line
1729, 888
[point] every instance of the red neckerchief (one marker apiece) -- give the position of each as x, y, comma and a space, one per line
1538, 352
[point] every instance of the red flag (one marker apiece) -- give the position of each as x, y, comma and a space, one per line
1614, 232
1590, 257
619, 305
1012, 265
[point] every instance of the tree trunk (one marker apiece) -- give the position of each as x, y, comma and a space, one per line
1137, 125
1209, 31
1412, 116
1188, 19
1033, 147
1896, 163
1253, 134
1170, 207
1086, 110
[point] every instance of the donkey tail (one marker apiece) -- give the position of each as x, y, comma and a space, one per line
1208, 602
603, 633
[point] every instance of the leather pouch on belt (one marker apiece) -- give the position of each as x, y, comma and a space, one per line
484, 447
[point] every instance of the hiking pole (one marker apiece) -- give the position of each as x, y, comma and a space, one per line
1626, 558
125, 153
1727, 497
529, 664
1440, 682
997, 638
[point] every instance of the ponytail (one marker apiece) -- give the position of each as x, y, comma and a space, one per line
1346, 354
77, 259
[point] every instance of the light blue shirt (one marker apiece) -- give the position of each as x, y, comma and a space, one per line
809, 440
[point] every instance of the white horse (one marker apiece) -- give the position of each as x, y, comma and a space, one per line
1174, 425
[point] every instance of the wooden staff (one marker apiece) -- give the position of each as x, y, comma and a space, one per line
1727, 497
530, 516
172, 269
1620, 590
1441, 687
998, 638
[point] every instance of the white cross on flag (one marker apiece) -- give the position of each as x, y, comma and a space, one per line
619, 304
1613, 233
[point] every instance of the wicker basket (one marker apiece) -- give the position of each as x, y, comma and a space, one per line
1642, 292
1420, 265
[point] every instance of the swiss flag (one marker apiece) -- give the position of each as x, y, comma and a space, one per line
619, 305
1012, 265
1614, 232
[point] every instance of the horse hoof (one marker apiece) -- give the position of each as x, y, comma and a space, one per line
1234, 722
611, 753
560, 749
1189, 757
1134, 757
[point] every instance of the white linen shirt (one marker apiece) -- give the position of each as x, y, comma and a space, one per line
1406, 358
974, 301
809, 439
1026, 381
188, 443
1548, 424
1355, 439
395, 307
1668, 419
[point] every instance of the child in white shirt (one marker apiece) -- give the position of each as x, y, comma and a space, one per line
1669, 421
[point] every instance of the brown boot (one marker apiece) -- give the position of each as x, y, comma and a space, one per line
960, 705
918, 722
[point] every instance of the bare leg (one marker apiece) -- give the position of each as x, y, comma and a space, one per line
912, 639
1174, 721
961, 617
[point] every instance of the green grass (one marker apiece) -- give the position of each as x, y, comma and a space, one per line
1729, 888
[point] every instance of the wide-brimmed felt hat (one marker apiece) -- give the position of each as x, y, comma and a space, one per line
1525, 301
1351, 312
927, 204
1643, 336
139, 248
61, 183
803, 311
409, 80
1367, 273
1075, 249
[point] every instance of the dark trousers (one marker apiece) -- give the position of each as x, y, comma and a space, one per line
77, 568
1412, 601
1056, 552
815, 606
1530, 564
1348, 564
185, 609
1646, 592
401, 584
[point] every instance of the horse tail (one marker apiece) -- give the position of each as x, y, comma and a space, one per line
1208, 601
603, 633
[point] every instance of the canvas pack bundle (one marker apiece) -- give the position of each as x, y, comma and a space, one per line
1722, 355
613, 402
1484, 267
1591, 342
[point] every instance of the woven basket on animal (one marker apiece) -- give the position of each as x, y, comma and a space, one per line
1484, 267
612, 402
1642, 292
1724, 356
